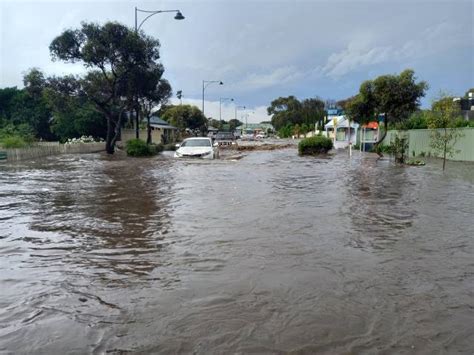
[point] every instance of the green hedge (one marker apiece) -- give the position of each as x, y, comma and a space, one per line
13, 142
139, 148
314, 145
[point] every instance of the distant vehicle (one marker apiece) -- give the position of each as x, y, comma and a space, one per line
248, 135
225, 138
199, 147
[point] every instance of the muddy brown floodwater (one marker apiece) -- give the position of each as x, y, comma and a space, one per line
272, 253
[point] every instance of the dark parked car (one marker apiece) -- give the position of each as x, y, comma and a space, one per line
225, 138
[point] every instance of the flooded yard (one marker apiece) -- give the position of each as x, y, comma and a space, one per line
272, 253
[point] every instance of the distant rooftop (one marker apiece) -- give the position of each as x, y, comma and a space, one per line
157, 122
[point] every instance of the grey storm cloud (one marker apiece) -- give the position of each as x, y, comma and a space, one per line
263, 49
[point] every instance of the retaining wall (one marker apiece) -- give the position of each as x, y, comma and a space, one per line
44, 149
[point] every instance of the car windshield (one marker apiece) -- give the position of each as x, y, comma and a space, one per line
196, 143
224, 136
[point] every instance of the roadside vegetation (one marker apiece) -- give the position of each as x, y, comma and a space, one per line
442, 121
139, 148
315, 145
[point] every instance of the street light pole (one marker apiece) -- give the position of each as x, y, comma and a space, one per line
220, 105
205, 84
178, 16
238, 108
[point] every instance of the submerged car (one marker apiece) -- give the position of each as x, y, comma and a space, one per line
199, 147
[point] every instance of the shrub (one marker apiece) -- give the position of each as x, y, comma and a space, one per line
13, 142
314, 145
171, 146
381, 149
399, 148
139, 148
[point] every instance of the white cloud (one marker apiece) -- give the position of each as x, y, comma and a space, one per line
363, 52
279, 76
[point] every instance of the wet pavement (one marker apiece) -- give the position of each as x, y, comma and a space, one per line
272, 253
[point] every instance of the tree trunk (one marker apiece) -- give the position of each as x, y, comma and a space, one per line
445, 148
109, 143
118, 128
137, 119
148, 127
376, 145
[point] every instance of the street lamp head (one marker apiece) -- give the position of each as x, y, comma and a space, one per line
179, 16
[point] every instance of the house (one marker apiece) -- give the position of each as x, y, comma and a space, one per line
467, 106
163, 129
338, 129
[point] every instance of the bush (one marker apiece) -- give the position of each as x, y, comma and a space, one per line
13, 142
399, 148
171, 146
139, 148
314, 145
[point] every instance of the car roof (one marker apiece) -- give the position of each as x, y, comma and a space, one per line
194, 138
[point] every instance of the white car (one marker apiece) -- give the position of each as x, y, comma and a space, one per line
199, 147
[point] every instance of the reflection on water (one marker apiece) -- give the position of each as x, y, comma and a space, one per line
268, 254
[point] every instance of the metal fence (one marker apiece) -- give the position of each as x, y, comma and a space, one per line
420, 139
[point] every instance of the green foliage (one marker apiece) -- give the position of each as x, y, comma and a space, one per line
382, 149
12, 142
22, 130
139, 148
290, 111
185, 116
214, 123
26, 107
461, 122
442, 122
74, 116
234, 123
399, 148
396, 96
417, 120
123, 68
286, 131
315, 145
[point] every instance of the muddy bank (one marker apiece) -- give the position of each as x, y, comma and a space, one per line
264, 146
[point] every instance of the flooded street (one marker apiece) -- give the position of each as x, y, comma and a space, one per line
272, 253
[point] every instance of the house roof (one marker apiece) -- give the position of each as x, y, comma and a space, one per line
371, 125
157, 122
342, 122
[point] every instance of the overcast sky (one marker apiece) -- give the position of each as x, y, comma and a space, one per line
264, 49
